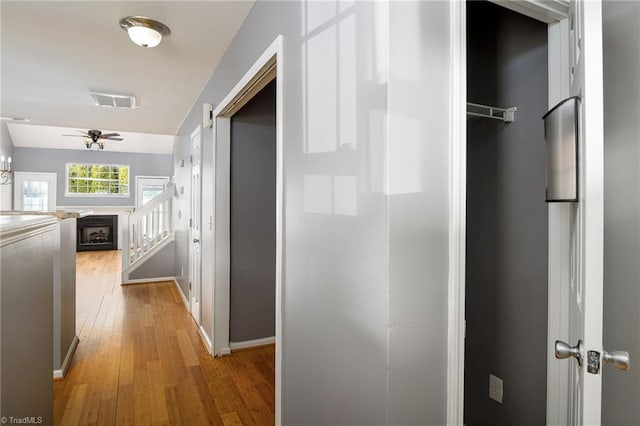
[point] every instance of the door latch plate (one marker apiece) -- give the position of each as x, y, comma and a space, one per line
593, 362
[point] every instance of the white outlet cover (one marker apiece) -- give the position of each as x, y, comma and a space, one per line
495, 388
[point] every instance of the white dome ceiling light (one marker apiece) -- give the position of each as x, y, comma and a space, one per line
143, 31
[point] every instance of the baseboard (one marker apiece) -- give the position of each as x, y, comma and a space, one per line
224, 351
205, 340
148, 280
59, 374
252, 343
184, 298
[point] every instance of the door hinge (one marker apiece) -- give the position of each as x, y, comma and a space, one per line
189, 285
190, 223
593, 362
191, 159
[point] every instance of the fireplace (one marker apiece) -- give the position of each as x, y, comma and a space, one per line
97, 233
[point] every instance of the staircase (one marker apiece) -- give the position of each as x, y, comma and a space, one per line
150, 229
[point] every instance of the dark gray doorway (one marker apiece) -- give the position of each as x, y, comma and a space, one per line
507, 227
253, 219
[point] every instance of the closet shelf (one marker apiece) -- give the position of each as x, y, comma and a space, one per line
503, 114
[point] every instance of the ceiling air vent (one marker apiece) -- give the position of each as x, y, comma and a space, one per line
114, 101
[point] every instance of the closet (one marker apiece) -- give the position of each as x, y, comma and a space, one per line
507, 225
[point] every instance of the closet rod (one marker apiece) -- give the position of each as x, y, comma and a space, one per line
504, 114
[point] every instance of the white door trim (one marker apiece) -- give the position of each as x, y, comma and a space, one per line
267, 67
457, 212
559, 218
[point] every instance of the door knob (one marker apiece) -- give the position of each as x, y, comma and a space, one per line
195, 241
619, 359
563, 351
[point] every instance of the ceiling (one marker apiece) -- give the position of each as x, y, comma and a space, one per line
54, 53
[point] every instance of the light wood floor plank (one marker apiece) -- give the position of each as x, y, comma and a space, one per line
74, 407
141, 361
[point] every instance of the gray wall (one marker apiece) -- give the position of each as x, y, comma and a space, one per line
253, 216
26, 314
506, 272
621, 32
6, 149
160, 265
55, 160
364, 334
64, 296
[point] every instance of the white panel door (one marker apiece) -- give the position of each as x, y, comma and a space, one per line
195, 258
34, 191
585, 299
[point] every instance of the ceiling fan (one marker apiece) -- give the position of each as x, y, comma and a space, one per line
92, 137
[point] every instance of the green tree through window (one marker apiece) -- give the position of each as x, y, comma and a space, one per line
97, 179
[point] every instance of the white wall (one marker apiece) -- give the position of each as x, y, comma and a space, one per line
366, 209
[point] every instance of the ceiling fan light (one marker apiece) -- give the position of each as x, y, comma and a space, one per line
143, 31
144, 37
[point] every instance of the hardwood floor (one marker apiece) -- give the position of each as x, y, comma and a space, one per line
140, 360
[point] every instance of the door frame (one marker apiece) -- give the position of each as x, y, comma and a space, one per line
268, 67
19, 177
195, 292
553, 14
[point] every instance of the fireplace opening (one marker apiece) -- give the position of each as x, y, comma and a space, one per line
97, 233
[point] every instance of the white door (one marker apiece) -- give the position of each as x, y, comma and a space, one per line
587, 229
34, 191
196, 219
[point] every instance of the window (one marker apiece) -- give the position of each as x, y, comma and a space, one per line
97, 180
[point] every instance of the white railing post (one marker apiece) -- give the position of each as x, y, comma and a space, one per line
126, 238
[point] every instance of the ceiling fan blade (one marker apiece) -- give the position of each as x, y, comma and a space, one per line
113, 139
77, 136
108, 135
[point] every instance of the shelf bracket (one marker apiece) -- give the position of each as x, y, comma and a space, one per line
507, 115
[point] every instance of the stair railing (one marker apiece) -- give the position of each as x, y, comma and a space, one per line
149, 226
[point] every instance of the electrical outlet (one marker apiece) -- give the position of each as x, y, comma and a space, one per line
495, 388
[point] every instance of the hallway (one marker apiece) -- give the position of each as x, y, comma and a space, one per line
140, 360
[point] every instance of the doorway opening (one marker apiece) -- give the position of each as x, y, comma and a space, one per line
265, 71
252, 220
505, 367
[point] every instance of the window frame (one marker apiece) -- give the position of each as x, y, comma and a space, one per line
96, 194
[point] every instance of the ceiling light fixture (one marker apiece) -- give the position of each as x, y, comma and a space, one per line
143, 31
6, 174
